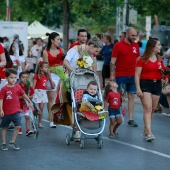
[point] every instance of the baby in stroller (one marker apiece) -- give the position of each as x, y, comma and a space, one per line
91, 102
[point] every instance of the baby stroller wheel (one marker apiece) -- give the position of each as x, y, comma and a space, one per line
68, 139
100, 144
82, 144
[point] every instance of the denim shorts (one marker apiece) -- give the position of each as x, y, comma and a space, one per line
113, 113
151, 86
128, 81
15, 118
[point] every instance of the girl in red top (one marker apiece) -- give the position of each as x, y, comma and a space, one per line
113, 98
2, 67
54, 56
40, 86
148, 77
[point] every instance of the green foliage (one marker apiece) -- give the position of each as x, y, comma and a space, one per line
94, 15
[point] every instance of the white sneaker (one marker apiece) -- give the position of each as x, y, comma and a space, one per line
77, 136
52, 125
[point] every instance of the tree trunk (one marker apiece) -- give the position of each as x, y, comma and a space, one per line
65, 24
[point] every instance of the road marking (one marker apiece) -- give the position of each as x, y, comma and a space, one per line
124, 143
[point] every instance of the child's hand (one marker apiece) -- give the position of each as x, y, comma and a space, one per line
1, 113
30, 104
84, 102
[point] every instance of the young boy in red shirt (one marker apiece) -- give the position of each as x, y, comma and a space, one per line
23, 76
10, 107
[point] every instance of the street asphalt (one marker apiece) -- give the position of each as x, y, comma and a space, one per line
128, 151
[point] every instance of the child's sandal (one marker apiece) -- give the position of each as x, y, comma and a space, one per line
40, 125
110, 136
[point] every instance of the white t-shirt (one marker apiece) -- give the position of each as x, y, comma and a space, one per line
72, 57
36, 52
21, 60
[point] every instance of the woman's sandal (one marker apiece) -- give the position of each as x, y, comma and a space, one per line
40, 126
110, 136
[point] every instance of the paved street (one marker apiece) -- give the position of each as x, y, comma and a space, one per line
129, 151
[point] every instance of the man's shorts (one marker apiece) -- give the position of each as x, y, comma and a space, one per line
113, 113
128, 82
151, 86
15, 118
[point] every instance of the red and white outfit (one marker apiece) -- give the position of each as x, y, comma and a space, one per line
2, 71
10, 96
126, 55
55, 61
23, 104
40, 94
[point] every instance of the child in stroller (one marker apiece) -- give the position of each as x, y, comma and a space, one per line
91, 102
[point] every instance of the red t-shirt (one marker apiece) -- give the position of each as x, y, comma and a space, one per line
31, 92
126, 55
55, 60
150, 70
114, 100
1, 49
41, 83
10, 97
2, 69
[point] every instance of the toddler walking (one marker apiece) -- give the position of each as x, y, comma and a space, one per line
39, 85
10, 107
23, 76
113, 98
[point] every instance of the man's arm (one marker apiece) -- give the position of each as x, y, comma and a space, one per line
167, 56
67, 65
112, 68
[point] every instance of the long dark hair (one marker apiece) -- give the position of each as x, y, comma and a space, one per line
51, 36
149, 49
11, 51
9, 62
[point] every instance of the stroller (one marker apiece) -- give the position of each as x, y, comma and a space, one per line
79, 79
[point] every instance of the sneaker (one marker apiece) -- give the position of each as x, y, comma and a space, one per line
11, 126
132, 123
14, 145
103, 113
52, 125
29, 132
150, 138
4, 147
77, 136
20, 132
166, 114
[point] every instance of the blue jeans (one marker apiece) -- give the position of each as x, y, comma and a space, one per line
128, 82
113, 113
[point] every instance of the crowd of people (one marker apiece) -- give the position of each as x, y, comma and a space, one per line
126, 63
